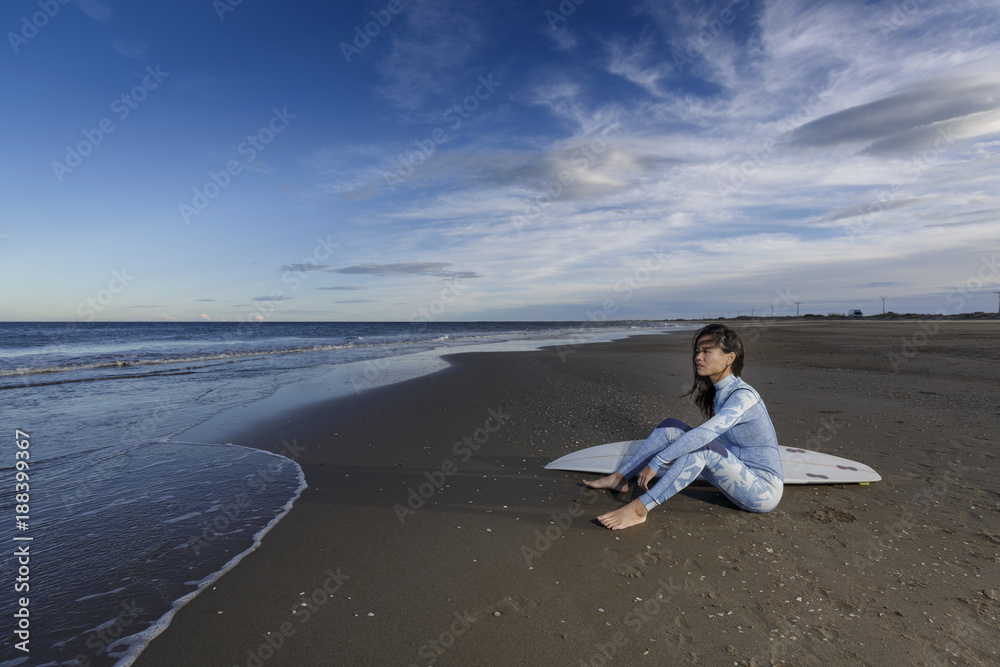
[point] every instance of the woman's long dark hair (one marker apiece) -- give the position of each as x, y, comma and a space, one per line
728, 341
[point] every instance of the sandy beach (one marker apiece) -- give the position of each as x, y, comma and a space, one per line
430, 533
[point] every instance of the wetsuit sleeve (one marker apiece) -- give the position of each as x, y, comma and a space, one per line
732, 411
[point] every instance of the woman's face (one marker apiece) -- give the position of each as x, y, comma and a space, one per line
711, 361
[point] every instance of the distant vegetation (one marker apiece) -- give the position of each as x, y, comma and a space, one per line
979, 315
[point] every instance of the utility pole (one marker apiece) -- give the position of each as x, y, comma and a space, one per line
797, 308
998, 305
883, 304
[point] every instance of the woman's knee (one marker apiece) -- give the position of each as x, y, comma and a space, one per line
768, 504
763, 510
670, 422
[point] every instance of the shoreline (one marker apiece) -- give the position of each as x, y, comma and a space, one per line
134, 645
356, 378
500, 534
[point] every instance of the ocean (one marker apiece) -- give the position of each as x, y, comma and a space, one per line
116, 518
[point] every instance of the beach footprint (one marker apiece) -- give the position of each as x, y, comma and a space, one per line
989, 609
518, 607
831, 515
632, 565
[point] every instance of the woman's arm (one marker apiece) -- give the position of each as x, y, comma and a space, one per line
732, 411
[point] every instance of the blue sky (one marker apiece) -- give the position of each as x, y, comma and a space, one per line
349, 161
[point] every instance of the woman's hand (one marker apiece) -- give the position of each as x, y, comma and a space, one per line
645, 477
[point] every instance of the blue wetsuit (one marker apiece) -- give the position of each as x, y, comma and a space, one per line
736, 451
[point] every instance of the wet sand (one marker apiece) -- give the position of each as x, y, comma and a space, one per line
431, 534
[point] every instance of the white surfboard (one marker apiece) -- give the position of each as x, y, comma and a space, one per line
801, 466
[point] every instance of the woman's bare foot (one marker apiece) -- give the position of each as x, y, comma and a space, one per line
631, 515
614, 481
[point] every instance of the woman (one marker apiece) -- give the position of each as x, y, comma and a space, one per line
736, 449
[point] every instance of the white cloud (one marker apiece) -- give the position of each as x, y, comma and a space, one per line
439, 269
763, 181
630, 59
96, 9
914, 118
134, 50
434, 43
563, 38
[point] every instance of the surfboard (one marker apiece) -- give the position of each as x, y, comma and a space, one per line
800, 466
